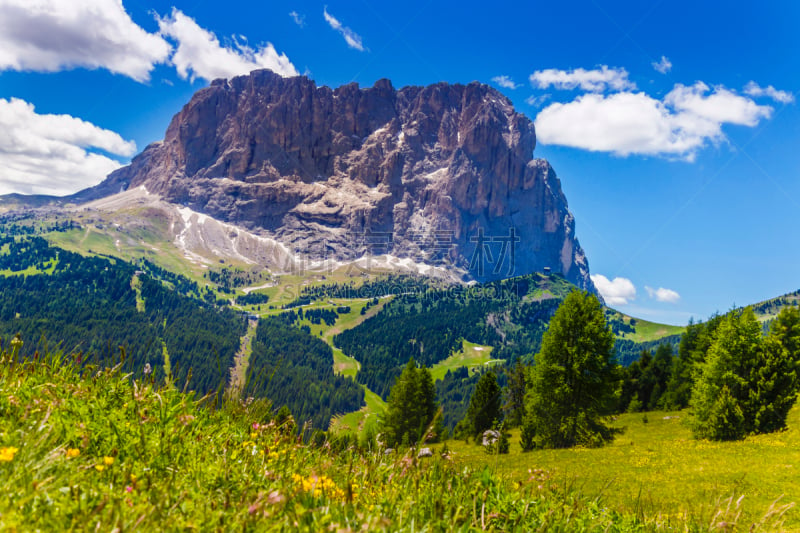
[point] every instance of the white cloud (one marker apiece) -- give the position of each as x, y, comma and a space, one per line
505, 82
53, 35
537, 101
756, 91
663, 65
200, 54
619, 291
721, 106
352, 39
597, 80
298, 19
49, 154
634, 123
663, 295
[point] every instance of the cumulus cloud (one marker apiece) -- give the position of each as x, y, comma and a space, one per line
619, 291
756, 91
505, 82
352, 39
199, 53
298, 19
54, 35
627, 123
53, 154
663, 295
721, 106
663, 65
51, 35
597, 80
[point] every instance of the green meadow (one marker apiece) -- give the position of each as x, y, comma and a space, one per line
656, 468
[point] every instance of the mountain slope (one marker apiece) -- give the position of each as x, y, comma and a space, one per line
442, 175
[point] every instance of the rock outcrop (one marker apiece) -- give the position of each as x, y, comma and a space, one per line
441, 175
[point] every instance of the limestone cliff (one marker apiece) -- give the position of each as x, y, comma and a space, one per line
441, 175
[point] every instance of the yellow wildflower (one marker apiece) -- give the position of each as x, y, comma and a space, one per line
8, 453
108, 461
318, 485
73, 452
99, 468
133, 478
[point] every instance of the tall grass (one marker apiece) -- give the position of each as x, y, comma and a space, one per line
84, 447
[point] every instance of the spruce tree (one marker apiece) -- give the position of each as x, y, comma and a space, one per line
484, 405
574, 378
515, 395
747, 383
411, 409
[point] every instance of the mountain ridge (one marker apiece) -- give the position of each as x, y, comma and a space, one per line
442, 175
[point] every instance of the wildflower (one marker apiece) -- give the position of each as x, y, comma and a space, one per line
72, 453
108, 461
318, 485
128, 489
133, 478
99, 468
8, 453
147, 369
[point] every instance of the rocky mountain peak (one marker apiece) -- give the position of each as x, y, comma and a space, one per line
441, 175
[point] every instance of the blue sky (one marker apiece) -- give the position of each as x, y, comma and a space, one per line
673, 126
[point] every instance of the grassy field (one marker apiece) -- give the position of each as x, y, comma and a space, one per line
93, 240
107, 454
656, 468
471, 356
650, 331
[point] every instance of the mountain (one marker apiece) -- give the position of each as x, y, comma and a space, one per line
441, 176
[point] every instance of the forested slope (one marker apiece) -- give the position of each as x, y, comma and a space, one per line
293, 368
90, 306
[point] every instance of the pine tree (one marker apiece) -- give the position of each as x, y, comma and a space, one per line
778, 377
484, 405
730, 361
411, 409
574, 378
749, 375
515, 395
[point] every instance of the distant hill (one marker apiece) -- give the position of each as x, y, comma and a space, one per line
769, 309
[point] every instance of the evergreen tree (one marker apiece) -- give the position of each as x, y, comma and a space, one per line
515, 395
411, 409
748, 383
731, 359
574, 378
778, 378
694, 346
484, 405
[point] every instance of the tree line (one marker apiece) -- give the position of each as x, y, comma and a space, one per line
736, 380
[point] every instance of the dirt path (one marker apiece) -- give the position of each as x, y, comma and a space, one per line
241, 360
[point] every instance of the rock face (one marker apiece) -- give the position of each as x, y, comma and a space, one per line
440, 175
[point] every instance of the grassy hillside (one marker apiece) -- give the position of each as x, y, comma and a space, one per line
769, 309
656, 468
106, 453
639, 330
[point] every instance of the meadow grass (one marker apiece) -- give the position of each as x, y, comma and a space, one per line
650, 331
657, 469
89, 448
470, 355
